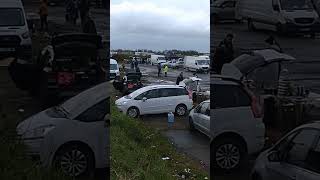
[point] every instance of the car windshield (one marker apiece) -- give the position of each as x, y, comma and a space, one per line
11, 17
296, 5
113, 66
202, 62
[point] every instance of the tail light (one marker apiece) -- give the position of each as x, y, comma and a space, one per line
256, 109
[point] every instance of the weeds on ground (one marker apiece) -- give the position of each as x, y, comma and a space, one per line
137, 152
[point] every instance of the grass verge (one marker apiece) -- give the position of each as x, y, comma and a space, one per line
137, 152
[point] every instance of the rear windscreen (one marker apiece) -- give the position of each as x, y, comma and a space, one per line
11, 17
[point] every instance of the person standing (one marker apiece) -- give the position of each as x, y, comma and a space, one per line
227, 46
180, 78
165, 70
159, 69
43, 12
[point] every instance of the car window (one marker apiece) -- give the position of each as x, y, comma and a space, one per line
152, 94
204, 108
227, 96
141, 96
313, 158
165, 92
181, 92
299, 147
94, 113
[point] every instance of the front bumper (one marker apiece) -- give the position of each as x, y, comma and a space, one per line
33, 146
294, 28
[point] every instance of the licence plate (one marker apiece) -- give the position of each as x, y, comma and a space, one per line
305, 29
7, 49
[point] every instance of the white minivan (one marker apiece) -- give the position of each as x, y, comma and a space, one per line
156, 99
296, 16
14, 31
114, 69
197, 63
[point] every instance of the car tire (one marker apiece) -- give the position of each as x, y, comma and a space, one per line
191, 125
181, 110
83, 155
223, 146
133, 112
251, 26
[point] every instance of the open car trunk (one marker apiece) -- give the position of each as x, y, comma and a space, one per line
73, 67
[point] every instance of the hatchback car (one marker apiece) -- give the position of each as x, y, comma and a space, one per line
236, 127
72, 136
295, 156
156, 99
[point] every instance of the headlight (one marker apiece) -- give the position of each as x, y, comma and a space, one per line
123, 103
25, 35
40, 131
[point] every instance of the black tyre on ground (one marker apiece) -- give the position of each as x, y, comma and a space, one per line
228, 154
75, 160
181, 110
133, 112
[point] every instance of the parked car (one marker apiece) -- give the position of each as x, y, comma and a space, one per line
129, 83
176, 64
283, 16
199, 118
197, 63
72, 136
69, 65
223, 10
15, 37
156, 99
295, 156
236, 127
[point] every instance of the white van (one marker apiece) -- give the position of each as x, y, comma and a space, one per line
114, 69
197, 63
296, 16
14, 31
156, 59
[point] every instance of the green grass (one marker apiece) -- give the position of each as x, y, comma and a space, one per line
137, 152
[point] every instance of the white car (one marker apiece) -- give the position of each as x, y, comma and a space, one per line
73, 136
295, 156
156, 99
199, 118
14, 31
236, 127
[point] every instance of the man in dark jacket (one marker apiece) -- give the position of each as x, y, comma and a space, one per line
227, 46
180, 78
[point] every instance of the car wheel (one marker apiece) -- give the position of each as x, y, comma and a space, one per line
251, 26
133, 112
191, 124
74, 161
181, 110
228, 154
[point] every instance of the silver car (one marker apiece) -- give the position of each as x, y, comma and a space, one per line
72, 136
295, 157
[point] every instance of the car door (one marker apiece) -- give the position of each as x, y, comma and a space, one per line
294, 152
168, 100
196, 115
204, 118
153, 103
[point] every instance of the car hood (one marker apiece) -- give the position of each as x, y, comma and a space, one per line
37, 120
122, 100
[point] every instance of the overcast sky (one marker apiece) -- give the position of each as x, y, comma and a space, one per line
160, 24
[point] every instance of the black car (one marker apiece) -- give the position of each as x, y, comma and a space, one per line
66, 67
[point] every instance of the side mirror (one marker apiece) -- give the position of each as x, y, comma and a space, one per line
144, 99
274, 156
276, 8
